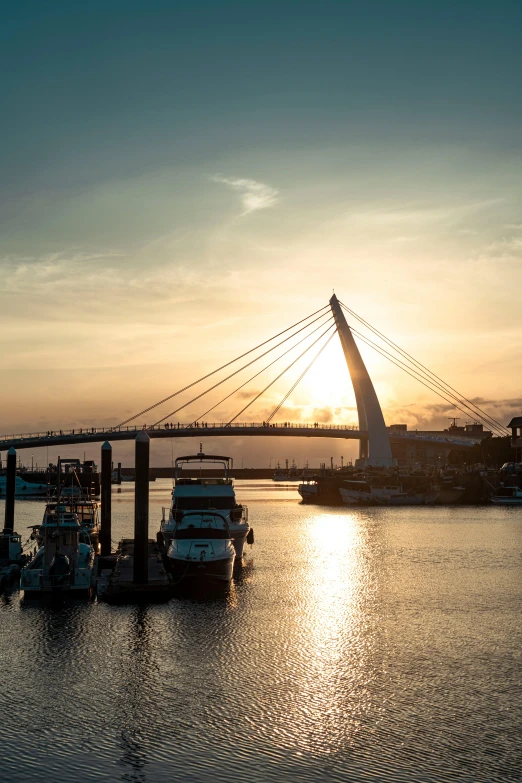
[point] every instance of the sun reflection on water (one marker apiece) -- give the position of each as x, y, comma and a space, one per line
333, 691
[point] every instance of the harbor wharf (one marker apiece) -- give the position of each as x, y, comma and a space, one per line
119, 586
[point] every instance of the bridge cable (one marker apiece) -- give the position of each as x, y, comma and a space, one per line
280, 374
204, 377
236, 372
420, 378
298, 381
490, 420
254, 376
407, 371
425, 371
454, 399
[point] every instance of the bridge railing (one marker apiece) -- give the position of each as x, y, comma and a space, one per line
51, 434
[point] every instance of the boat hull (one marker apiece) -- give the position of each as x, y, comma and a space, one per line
208, 571
238, 540
308, 492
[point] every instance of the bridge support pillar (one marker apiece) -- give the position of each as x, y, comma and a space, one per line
141, 509
106, 489
375, 450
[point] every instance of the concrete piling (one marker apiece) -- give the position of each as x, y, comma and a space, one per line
106, 471
10, 490
141, 509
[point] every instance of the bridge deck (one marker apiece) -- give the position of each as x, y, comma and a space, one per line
34, 440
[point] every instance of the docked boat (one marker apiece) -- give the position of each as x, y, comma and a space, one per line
289, 474
308, 491
12, 558
85, 508
362, 493
280, 474
201, 548
357, 493
507, 496
206, 494
24, 488
64, 563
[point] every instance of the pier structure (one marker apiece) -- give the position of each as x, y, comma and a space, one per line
106, 498
138, 572
10, 491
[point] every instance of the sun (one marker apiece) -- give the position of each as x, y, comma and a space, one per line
328, 383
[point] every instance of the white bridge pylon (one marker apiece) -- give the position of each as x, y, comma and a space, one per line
374, 450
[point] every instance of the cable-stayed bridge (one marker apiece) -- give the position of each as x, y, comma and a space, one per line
313, 332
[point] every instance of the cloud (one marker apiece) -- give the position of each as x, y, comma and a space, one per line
247, 395
254, 195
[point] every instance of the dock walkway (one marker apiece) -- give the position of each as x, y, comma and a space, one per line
119, 587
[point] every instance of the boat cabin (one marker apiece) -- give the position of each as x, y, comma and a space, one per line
193, 525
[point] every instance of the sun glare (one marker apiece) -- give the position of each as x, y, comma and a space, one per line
328, 384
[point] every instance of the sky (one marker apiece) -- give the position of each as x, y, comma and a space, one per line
182, 180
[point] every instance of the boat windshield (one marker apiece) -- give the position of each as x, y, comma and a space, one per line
357, 486
196, 503
202, 526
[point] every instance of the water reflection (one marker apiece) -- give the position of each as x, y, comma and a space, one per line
364, 645
138, 663
333, 694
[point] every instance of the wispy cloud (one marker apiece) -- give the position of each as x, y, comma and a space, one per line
254, 195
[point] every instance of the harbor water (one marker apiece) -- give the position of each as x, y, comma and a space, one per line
369, 644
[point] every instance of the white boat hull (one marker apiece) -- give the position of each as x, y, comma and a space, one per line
202, 560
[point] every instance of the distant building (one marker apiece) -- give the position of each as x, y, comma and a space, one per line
474, 429
515, 425
408, 452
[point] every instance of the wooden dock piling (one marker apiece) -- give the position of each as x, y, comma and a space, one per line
106, 489
10, 490
141, 509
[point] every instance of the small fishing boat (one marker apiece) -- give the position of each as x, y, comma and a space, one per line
64, 563
308, 491
201, 548
12, 558
85, 508
507, 496
289, 474
206, 493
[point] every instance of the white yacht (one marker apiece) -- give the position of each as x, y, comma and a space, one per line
362, 493
357, 493
201, 548
64, 563
507, 496
206, 494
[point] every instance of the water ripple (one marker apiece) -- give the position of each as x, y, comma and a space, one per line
362, 645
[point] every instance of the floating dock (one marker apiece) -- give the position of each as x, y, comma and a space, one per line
118, 586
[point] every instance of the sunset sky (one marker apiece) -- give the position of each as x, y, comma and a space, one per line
182, 180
